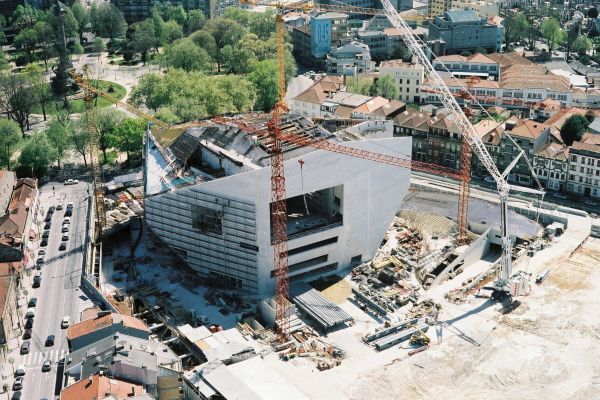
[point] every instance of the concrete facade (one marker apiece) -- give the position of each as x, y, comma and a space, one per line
350, 59
408, 77
360, 197
8, 302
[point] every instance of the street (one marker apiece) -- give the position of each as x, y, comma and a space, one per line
59, 294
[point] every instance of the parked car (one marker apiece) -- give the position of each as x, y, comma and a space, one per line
51, 210
29, 323
44, 243
67, 221
25, 347
63, 246
42, 252
46, 234
18, 385
40, 260
46, 366
59, 207
30, 313
37, 280
27, 334
32, 302
66, 321
16, 396
65, 236
65, 228
48, 218
71, 182
48, 225
50, 341
20, 371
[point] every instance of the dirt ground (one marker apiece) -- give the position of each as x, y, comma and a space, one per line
547, 348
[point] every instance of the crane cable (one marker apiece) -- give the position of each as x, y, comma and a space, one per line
301, 162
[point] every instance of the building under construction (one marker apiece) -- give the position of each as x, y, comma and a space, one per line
208, 197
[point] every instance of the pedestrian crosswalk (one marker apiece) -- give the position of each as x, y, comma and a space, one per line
36, 358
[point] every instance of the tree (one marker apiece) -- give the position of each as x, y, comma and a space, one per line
225, 32
171, 31
98, 46
582, 45
205, 40
195, 21
186, 55
107, 120
572, 35
264, 78
592, 13
80, 138
386, 87
26, 41
360, 85
45, 39
130, 134
110, 22
59, 133
401, 52
37, 155
17, 98
552, 32
38, 83
237, 59
169, 12
143, 38
9, 134
82, 16
516, 27
573, 128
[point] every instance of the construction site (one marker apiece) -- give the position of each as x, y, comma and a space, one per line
280, 259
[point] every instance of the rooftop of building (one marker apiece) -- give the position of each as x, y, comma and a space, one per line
587, 147
100, 387
317, 93
458, 16
331, 15
533, 77
91, 325
558, 119
547, 104
489, 131
508, 59
399, 64
554, 151
529, 129
452, 81
474, 58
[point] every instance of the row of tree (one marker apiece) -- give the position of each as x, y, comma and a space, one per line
65, 135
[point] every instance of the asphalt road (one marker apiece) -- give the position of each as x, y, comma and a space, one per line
59, 294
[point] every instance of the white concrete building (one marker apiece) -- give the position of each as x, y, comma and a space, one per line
408, 77
350, 59
209, 191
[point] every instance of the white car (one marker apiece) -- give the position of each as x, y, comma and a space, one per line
67, 221
66, 321
71, 182
20, 371
65, 228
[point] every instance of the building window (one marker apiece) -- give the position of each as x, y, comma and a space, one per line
356, 260
207, 220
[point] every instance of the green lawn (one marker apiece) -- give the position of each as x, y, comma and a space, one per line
77, 106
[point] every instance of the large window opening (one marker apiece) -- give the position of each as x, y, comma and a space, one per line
314, 211
207, 220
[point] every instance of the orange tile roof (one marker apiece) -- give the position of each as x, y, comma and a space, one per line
508, 59
529, 129
23, 193
98, 387
91, 325
557, 120
547, 104
475, 58
317, 93
555, 151
371, 105
595, 148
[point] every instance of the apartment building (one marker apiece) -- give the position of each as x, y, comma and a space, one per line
584, 167
408, 77
206, 192
328, 98
438, 7
466, 31
436, 139
350, 59
551, 165
314, 41
15, 225
9, 319
478, 65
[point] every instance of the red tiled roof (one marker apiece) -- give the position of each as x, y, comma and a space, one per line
91, 325
100, 387
528, 129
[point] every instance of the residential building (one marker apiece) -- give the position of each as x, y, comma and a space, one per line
586, 97
438, 7
9, 318
551, 165
314, 41
519, 86
435, 139
408, 77
328, 98
477, 64
102, 387
544, 109
350, 59
7, 183
127, 358
376, 42
104, 325
206, 190
465, 31
584, 167
490, 133
16, 225
482, 8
